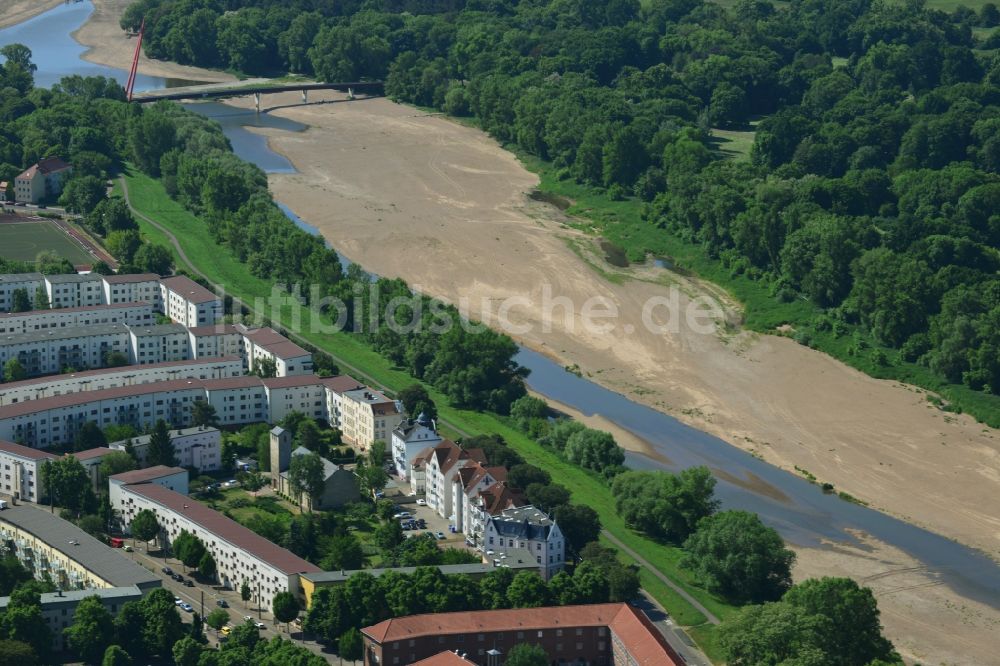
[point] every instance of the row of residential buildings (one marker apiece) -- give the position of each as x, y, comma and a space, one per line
180, 298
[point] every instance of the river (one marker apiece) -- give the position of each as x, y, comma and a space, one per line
800, 511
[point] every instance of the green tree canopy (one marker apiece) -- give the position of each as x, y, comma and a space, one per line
92, 630
665, 505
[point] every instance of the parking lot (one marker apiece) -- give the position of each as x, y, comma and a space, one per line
435, 523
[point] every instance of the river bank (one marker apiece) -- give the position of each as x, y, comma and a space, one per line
13, 12
108, 45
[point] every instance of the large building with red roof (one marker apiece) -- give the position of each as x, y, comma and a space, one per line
592, 635
41, 181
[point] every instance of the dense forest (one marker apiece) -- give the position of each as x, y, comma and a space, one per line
871, 189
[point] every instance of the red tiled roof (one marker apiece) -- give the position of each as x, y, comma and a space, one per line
24, 451
341, 383
212, 329
285, 350
146, 475
132, 277
189, 289
70, 399
500, 496
634, 631
48, 165
292, 381
226, 529
246, 381
443, 659
91, 453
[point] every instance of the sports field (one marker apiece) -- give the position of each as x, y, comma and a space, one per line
23, 240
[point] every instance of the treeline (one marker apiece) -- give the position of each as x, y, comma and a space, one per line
193, 159
873, 182
336, 613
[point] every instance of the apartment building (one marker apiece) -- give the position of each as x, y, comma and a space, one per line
141, 287
409, 438
160, 343
74, 290
11, 282
50, 352
240, 554
130, 314
614, 634
368, 416
530, 529
96, 380
440, 465
466, 486
188, 303
491, 501
302, 393
48, 545
171, 478
41, 181
267, 344
22, 471
199, 447
91, 460
217, 340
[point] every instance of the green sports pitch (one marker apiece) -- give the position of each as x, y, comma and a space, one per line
22, 241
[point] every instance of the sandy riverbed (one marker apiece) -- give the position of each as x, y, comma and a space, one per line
13, 12
108, 45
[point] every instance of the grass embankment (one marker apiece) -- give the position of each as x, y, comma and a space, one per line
621, 223
148, 197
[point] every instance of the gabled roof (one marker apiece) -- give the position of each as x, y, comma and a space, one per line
99, 452
24, 451
46, 166
188, 289
146, 475
526, 522
500, 497
443, 659
128, 278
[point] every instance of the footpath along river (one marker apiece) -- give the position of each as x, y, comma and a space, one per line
800, 511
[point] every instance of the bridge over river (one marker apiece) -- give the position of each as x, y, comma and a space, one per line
257, 88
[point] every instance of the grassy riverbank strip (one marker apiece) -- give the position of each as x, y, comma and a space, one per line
148, 197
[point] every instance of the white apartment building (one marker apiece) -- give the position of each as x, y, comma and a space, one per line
409, 438
11, 282
367, 416
41, 180
159, 343
74, 290
91, 460
133, 288
131, 314
303, 393
97, 380
240, 554
172, 478
441, 464
50, 352
529, 529
21, 467
199, 447
466, 486
217, 340
188, 303
266, 343
491, 501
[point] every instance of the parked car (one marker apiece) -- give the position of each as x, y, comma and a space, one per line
127, 548
421, 502
179, 578
259, 625
403, 514
188, 583
168, 571
421, 523
178, 601
222, 603
226, 629
187, 607
440, 535
247, 618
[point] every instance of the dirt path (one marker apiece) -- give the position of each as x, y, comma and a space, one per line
108, 45
13, 12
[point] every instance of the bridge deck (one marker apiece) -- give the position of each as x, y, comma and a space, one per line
368, 87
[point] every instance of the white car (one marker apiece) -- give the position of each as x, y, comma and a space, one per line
178, 601
403, 514
259, 625
421, 502
187, 607
247, 618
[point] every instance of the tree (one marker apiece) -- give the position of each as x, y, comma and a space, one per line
306, 475
417, 401
527, 590
162, 626
116, 462
116, 656
265, 368
245, 592
594, 449
388, 535
579, 525
203, 414
523, 475
530, 414
144, 526
187, 652
206, 565
13, 371
344, 552
20, 301
23, 621
129, 625
90, 436
41, 299
217, 619
93, 525
115, 359
69, 484
285, 607
12, 574
82, 194
773, 634
189, 549
153, 258
350, 645
17, 653
123, 244
737, 557
548, 497
92, 629
665, 505
161, 447
527, 654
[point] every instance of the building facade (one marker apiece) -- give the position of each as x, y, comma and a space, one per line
41, 181
199, 447
409, 438
529, 529
131, 314
188, 303
141, 287
74, 290
11, 282
22, 471
51, 352
368, 416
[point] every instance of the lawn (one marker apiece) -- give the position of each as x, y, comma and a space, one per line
22, 241
148, 197
734, 144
